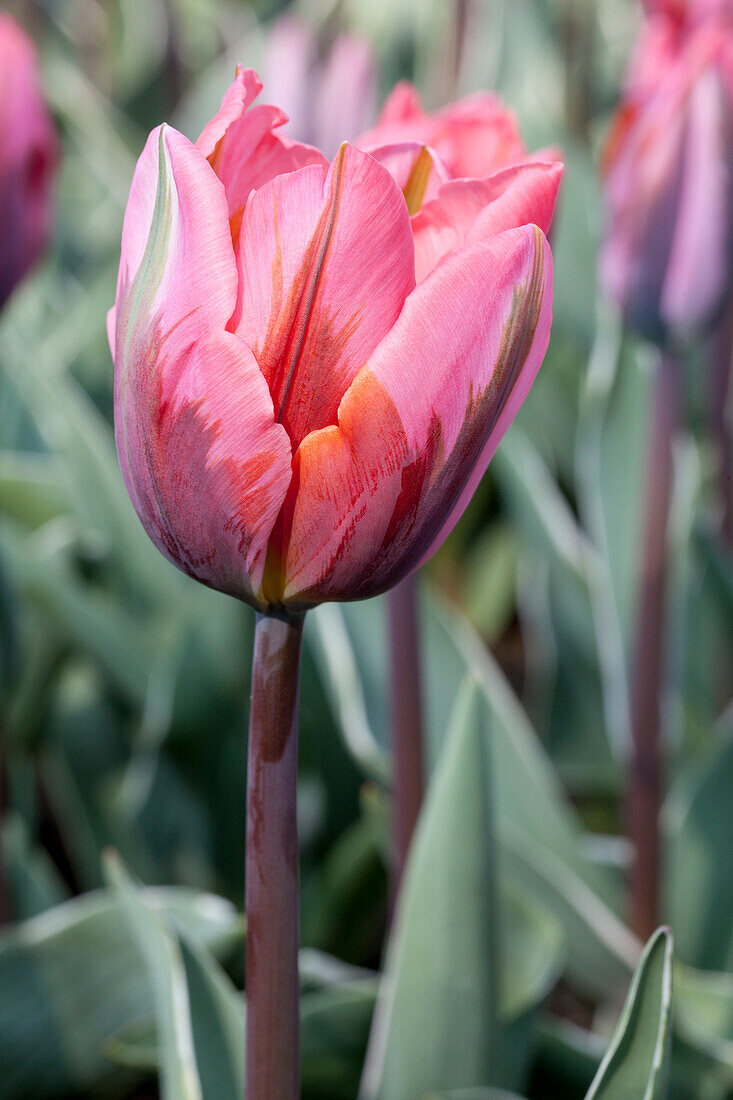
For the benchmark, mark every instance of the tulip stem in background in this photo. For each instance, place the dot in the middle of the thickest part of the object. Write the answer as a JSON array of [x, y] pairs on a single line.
[[460, 26], [406, 714], [4, 893], [272, 863], [720, 418], [645, 778]]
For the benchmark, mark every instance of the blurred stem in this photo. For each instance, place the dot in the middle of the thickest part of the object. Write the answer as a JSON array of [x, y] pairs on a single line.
[[172, 73], [645, 778], [578, 45], [406, 714], [4, 892], [272, 863], [720, 413], [460, 27]]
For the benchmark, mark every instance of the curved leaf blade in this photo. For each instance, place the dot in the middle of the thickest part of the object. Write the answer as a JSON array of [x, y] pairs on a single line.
[[637, 1061]]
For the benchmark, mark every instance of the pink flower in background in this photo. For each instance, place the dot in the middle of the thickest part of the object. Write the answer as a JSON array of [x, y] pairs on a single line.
[[461, 169], [473, 137], [328, 98], [667, 257], [28, 156], [315, 362], [688, 13]]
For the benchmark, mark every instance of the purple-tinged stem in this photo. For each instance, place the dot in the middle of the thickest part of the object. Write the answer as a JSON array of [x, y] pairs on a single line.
[[272, 863], [4, 891], [645, 775], [720, 414], [406, 713], [460, 27]]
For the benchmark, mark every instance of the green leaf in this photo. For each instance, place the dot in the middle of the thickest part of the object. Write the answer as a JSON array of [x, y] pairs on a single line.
[[334, 1030], [637, 1061], [560, 588], [704, 1013], [541, 839], [30, 488], [448, 1016], [72, 976], [31, 878], [436, 1021], [199, 1015], [71, 427], [474, 1094], [698, 821], [489, 585]]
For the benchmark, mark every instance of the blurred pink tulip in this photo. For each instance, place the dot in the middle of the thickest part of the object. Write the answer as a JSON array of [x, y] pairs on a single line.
[[328, 99], [473, 137], [312, 373], [689, 12], [667, 257], [28, 156]]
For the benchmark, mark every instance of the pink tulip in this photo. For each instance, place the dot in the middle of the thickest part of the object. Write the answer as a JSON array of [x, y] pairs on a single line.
[[312, 373], [667, 258], [689, 12], [28, 155], [473, 137], [328, 98]]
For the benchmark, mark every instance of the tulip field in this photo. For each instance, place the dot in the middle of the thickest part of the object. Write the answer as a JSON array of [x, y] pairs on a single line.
[[366, 550]]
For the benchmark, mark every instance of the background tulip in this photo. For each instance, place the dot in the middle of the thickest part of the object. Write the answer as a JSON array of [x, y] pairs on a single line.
[[473, 137], [667, 261], [28, 155], [329, 95], [686, 13], [667, 256]]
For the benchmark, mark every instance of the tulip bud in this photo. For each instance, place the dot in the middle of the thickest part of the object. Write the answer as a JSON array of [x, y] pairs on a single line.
[[28, 155], [667, 256]]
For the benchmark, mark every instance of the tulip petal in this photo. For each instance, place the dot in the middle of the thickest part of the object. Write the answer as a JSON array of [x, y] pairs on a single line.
[[242, 147], [177, 269], [346, 94], [475, 136], [205, 464], [474, 210], [403, 104], [642, 193], [699, 270], [404, 162], [375, 495], [221, 469], [240, 95], [326, 262]]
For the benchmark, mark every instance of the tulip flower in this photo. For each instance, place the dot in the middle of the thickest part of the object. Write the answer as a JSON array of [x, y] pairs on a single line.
[[313, 367], [667, 258], [28, 156], [328, 97], [667, 261]]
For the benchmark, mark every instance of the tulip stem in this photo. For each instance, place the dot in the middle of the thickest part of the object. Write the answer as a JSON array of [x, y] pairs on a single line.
[[720, 420], [272, 863], [406, 714], [645, 778]]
